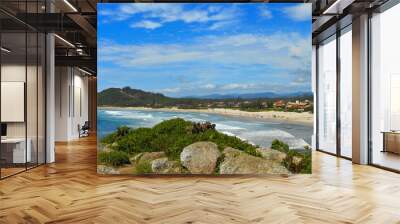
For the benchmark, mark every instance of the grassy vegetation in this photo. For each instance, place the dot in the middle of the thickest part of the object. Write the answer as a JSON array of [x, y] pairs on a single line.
[[171, 136], [292, 155], [144, 167], [113, 158]]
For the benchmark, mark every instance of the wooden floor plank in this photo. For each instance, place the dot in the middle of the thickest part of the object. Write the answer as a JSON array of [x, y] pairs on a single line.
[[70, 191]]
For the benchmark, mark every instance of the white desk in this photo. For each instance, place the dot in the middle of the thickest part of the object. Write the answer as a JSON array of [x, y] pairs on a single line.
[[19, 153]]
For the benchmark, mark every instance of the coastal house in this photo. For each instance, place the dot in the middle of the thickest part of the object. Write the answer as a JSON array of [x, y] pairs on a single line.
[[279, 104], [298, 105]]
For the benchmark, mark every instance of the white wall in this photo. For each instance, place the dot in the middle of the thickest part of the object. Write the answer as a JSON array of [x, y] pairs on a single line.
[[14, 73], [33, 126], [71, 102], [62, 82]]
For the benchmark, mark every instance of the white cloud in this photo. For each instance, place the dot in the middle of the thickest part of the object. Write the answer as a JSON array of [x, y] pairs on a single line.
[[219, 25], [146, 24], [265, 12], [201, 89], [237, 86], [288, 50], [166, 13], [299, 12], [210, 86], [170, 90]]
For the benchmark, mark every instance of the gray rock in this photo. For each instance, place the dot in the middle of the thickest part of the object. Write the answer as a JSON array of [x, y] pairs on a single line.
[[238, 162], [150, 156], [164, 166], [159, 165], [102, 169], [146, 156], [297, 160], [200, 157], [134, 159], [272, 154]]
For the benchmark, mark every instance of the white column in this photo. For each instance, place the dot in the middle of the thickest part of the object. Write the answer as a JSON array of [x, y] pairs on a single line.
[[360, 89], [50, 100]]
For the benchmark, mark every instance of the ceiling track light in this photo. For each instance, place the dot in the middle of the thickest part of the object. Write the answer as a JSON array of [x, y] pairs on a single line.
[[70, 5], [5, 50], [84, 71], [64, 40], [337, 7]]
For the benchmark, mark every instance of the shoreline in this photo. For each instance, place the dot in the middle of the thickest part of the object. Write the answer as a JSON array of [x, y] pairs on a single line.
[[303, 118]]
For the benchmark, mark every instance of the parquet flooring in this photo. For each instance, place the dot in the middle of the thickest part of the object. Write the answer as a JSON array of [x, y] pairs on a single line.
[[70, 191]]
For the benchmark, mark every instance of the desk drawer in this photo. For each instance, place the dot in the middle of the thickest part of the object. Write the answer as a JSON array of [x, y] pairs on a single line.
[[392, 142]]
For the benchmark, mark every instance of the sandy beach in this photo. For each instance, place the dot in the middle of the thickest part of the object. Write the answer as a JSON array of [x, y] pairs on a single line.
[[304, 118]]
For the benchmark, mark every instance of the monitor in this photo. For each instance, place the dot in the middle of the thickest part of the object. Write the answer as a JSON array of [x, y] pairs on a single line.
[[3, 129]]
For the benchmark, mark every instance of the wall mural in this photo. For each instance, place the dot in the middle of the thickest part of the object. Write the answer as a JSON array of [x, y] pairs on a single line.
[[204, 88]]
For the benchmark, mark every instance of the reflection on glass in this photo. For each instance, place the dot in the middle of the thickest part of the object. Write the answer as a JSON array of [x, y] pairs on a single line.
[[346, 94], [14, 153], [385, 84], [395, 102], [41, 99], [31, 101], [327, 96]]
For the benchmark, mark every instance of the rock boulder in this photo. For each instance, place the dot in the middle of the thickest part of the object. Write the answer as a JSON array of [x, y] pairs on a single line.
[[146, 156], [200, 157], [238, 162], [164, 166], [272, 154]]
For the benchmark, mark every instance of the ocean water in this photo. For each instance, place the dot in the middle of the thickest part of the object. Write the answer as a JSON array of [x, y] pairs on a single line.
[[258, 132]]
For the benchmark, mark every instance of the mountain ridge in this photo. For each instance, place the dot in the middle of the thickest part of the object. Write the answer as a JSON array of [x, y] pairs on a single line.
[[269, 95], [130, 97]]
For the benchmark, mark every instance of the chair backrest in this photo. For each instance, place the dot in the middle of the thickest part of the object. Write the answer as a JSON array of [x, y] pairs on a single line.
[[86, 125]]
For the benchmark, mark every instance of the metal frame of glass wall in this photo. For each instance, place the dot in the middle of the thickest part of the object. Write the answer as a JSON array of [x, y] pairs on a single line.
[[381, 9], [336, 36], [389, 4], [29, 56]]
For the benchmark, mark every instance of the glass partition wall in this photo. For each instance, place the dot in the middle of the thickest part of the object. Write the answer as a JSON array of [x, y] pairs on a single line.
[[385, 89], [345, 91], [327, 95], [334, 84], [22, 77]]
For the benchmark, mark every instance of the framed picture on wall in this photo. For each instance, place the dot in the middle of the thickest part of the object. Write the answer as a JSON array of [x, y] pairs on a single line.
[[201, 88]]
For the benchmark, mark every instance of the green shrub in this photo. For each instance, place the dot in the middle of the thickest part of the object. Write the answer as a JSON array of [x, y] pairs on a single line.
[[113, 158], [118, 134], [280, 146], [143, 167], [289, 162], [253, 152], [172, 136], [219, 162]]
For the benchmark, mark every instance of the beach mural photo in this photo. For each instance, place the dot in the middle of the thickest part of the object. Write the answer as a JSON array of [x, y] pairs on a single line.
[[204, 88]]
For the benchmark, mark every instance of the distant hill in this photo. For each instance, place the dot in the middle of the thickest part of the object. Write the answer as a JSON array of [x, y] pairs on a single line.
[[129, 97], [264, 95]]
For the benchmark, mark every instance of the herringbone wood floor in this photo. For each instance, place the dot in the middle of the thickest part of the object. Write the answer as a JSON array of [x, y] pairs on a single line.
[[70, 191]]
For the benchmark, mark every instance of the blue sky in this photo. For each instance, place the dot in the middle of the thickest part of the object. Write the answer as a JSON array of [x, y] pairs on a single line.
[[201, 49]]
